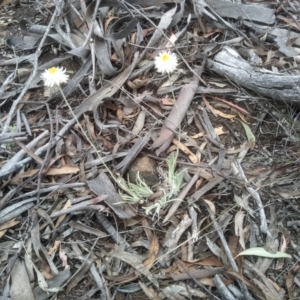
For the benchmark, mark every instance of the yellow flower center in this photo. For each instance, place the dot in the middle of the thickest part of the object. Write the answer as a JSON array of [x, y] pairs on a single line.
[[165, 57], [52, 70]]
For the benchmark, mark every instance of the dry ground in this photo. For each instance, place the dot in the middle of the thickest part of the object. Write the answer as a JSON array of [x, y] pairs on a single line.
[[217, 151]]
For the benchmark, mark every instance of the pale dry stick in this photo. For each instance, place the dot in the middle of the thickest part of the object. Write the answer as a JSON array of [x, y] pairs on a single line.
[[108, 157], [184, 192], [53, 188], [181, 197], [10, 135], [214, 182], [263, 220], [15, 210], [228, 253], [8, 196], [194, 217], [45, 160], [87, 39], [83, 8], [20, 164], [141, 71], [20, 139], [66, 36], [6, 82], [100, 281], [210, 134], [223, 290], [18, 156], [260, 274], [199, 17], [33, 74], [115, 235], [47, 153]]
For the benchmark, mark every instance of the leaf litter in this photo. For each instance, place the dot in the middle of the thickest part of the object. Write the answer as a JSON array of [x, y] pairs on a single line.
[[219, 137]]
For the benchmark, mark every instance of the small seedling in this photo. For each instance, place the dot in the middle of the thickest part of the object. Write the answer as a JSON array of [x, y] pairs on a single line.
[[136, 193], [139, 192]]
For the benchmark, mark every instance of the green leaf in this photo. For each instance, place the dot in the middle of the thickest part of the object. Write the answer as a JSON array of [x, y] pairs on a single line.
[[175, 179], [264, 37], [218, 84], [136, 192], [259, 251], [250, 135]]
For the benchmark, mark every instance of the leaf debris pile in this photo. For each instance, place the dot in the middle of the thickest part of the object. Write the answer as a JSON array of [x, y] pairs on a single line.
[[180, 185]]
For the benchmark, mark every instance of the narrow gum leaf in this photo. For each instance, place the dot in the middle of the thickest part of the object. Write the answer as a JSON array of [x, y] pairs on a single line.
[[259, 251], [250, 135]]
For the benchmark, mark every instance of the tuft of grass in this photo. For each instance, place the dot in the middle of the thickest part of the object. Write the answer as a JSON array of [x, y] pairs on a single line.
[[139, 192], [174, 179], [136, 193], [173, 182]]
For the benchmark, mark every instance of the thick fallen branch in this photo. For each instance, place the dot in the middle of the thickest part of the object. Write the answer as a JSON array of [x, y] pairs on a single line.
[[277, 86], [172, 123]]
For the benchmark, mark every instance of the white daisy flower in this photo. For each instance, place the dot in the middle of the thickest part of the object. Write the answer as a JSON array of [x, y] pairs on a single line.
[[166, 62], [54, 76]]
